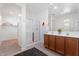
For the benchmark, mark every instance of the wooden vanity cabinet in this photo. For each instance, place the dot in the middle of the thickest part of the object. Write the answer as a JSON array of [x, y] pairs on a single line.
[[52, 42], [78, 47], [46, 38], [60, 47], [68, 46], [71, 46]]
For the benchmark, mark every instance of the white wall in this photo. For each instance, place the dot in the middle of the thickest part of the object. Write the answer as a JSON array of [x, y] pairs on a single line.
[[8, 33], [43, 17], [9, 30], [11, 20], [22, 28], [9, 16]]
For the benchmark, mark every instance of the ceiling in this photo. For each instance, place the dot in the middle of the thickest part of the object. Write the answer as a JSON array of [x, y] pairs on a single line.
[[9, 9], [36, 7], [64, 8]]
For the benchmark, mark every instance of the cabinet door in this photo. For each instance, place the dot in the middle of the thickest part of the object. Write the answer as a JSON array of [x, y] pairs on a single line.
[[52, 42], [71, 47], [60, 44], [46, 41]]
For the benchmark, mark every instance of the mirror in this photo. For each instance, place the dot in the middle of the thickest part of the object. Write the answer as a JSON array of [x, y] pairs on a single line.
[[64, 16]]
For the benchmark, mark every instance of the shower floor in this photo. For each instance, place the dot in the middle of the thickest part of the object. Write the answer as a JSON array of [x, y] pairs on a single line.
[[8, 47]]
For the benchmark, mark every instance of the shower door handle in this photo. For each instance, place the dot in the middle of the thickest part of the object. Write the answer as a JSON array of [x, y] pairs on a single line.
[[32, 36]]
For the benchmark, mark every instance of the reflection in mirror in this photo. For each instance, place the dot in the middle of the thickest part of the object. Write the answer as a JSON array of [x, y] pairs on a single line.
[[64, 16]]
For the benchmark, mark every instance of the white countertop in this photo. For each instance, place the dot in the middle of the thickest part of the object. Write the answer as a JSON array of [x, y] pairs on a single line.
[[71, 34]]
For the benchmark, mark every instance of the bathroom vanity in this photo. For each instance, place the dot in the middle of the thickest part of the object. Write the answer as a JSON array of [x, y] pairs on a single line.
[[61, 43]]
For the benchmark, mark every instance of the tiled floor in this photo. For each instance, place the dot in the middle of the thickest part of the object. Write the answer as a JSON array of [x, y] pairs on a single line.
[[48, 52], [31, 52], [40, 46], [11, 47]]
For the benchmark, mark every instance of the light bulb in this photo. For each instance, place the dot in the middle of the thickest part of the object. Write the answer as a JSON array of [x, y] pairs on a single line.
[[19, 15]]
